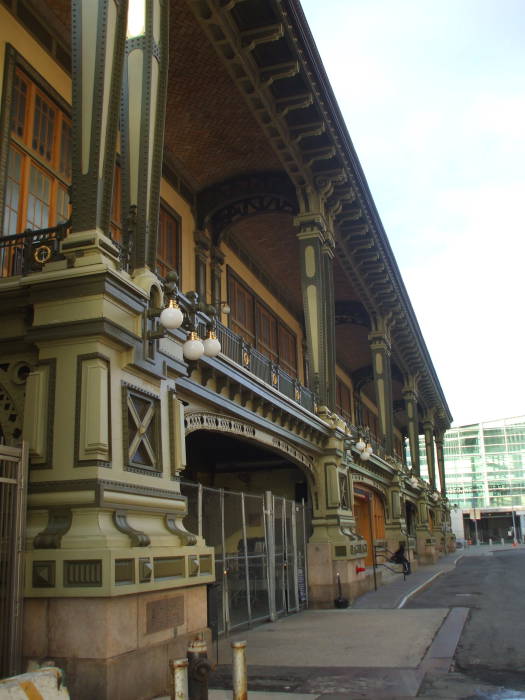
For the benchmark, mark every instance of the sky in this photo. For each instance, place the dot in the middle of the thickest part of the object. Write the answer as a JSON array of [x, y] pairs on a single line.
[[433, 95]]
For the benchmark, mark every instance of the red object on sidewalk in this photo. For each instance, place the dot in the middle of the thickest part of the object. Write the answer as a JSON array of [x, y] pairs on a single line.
[[359, 569]]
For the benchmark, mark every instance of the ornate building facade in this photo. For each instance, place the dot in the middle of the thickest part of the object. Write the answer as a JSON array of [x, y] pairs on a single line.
[[171, 178]]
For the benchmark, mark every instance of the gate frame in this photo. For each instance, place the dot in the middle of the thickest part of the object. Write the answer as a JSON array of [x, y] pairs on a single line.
[[11, 655]]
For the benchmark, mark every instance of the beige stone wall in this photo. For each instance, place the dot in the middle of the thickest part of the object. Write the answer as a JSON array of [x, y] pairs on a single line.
[[11, 32]]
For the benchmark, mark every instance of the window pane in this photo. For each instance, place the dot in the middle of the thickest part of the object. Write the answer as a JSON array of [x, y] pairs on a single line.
[[43, 128], [12, 195], [242, 314], [287, 350], [267, 333], [167, 243], [62, 208], [18, 110], [38, 200]]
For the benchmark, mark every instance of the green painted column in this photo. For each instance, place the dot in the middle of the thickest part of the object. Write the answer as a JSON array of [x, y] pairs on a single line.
[[410, 397], [327, 256], [316, 260], [98, 35], [428, 429], [142, 132], [380, 347], [440, 455]]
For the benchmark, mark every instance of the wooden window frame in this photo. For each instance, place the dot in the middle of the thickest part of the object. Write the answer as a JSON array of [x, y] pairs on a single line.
[[345, 411], [169, 211], [15, 66], [258, 303]]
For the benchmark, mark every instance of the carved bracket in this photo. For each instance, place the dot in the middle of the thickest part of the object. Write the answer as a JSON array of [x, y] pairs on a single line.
[[175, 526], [138, 538], [59, 522]]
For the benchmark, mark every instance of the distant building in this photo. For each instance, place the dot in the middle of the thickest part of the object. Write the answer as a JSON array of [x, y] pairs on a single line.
[[485, 468]]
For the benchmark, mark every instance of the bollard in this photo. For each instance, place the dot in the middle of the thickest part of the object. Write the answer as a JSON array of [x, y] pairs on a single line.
[[490, 541], [198, 670], [240, 674], [179, 679], [502, 540]]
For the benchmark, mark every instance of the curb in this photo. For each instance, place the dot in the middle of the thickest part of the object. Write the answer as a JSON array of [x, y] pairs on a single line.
[[426, 584]]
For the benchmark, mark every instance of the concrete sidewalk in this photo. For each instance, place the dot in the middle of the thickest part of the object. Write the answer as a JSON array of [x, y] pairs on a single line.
[[374, 649], [396, 591]]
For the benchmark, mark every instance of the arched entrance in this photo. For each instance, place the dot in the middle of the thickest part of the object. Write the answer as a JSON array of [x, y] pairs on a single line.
[[250, 502], [369, 512]]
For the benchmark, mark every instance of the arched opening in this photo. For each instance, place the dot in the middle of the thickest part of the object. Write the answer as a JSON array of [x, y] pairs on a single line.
[[369, 512], [250, 503], [237, 464]]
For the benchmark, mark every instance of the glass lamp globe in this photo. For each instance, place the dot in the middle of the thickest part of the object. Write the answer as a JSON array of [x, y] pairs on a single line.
[[171, 317], [369, 449], [212, 346], [360, 445], [365, 456], [193, 349]]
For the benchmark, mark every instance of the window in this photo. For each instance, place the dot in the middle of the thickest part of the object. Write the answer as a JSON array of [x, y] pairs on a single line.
[[253, 320], [167, 242], [343, 400], [39, 161]]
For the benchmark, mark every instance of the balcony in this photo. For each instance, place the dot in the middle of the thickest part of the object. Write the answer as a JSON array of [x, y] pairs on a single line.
[[235, 348]]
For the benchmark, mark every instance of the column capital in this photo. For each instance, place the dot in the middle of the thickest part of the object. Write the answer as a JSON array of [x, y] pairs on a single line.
[[411, 384], [217, 256], [311, 225], [409, 394], [379, 340], [439, 436], [428, 425], [202, 240]]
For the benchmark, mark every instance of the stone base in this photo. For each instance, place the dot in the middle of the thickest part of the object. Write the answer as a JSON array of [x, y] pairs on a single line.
[[322, 577], [115, 647]]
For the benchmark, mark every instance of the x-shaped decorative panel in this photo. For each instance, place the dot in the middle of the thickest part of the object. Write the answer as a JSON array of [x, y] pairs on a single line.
[[141, 430]]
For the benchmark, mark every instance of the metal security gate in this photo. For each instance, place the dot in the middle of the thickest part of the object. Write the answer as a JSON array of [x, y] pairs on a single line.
[[260, 552], [13, 475]]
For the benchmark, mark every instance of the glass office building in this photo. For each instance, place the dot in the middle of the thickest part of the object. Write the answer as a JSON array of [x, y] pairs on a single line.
[[484, 464], [485, 477]]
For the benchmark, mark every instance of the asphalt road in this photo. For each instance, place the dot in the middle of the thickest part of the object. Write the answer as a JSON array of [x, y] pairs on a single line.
[[492, 645]]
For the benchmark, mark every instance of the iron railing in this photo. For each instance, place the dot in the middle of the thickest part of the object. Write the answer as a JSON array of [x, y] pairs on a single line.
[[242, 353], [23, 253]]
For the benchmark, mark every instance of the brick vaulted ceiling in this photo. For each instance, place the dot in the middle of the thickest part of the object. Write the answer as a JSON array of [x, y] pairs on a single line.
[[210, 132]]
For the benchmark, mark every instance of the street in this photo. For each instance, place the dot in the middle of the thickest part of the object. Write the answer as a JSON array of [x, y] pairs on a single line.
[[491, 647]]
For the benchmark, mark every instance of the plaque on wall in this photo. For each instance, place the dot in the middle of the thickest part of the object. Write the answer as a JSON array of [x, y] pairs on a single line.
[[164, 614]]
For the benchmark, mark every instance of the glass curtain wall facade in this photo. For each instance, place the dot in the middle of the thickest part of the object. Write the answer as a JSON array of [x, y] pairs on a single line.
[[484, 464]]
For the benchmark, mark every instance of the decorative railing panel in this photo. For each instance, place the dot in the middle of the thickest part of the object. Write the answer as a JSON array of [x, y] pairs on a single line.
[[23, 253]]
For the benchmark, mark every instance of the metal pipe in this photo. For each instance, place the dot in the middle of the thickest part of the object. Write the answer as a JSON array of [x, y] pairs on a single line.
[[246, 560], [179, 679], [225, 591], [239, 669], [305, 557], [199, 511], [270, 531], [372, 540]]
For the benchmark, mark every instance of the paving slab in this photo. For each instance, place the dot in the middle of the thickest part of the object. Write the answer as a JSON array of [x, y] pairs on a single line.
[[342, 638]]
